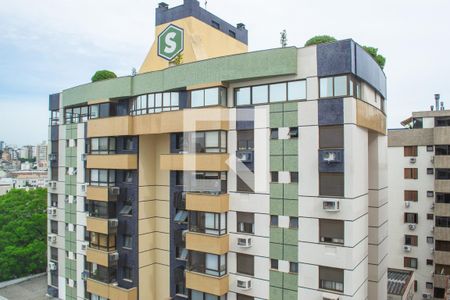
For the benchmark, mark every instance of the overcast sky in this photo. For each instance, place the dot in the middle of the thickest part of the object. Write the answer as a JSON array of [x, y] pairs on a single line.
[[49, 45]]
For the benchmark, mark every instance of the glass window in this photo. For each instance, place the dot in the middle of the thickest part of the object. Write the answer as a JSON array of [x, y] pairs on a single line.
[[278, 92], [93, 112], [197, 98], [274, 264], [260, 94], [127, 241], [331, 184], [245, 222], [326, 87], [211, 96], [274, 221], [293, 267], [245, 264], [175, 100], [212, 139], [297, 90], [158, 102], [340, 86], [242, 96]]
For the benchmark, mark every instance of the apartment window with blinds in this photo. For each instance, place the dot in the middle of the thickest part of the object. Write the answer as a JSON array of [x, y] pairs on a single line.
[[411, 240], [442, 222], [443, 246], [208, 97], [245, 222], [410, 173], [331, 184], [410, 262], [243, 297], [411, 196], [411, 218], [410, 151], [443, 174], [442, 149], [331, 137], [331, 279], [103, 145], [331, 231], [443, 198], [245, 264]]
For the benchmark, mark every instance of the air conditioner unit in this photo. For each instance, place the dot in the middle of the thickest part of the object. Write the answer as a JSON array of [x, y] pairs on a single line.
[[412, 226], [432, 229], [245, 156], [331, 205], [84, 157], [71, 199], [331, 156], [52, 266], [432, 159], [327, 296], [52, 157], [114, 191], [84, 246], [84, 275], [113, 223], [114, 256], [407, 204], [432, 250], [51, 238], [52, 184], [244, 242], [83, 188], [412, 160], [406, 248], [427, 296], [244, 283], [432, 206], [51, 211]]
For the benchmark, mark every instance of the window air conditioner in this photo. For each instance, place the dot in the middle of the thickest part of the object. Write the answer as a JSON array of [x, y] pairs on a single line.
[[412, 160], [51, 238], [407, 204], [52, 266], [114, 191], [51, 211], [83, 188], [412, 226], [331, 156], [114, 256], [84, 246], [406, 248], [244, 242], [245, 156], [331, 205], [327, 296], [84, 275], [84, 157], [113, 223], [244, 283], [427, 296]]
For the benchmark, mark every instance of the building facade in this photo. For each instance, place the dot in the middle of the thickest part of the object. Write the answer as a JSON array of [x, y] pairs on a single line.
[[419, 193], [232, 175]]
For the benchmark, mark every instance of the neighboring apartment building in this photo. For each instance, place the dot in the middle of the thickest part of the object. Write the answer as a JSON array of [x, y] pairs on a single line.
[[234, 175], [419, 194]]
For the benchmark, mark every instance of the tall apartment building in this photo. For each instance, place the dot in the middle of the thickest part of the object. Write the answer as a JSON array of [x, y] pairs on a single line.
[[419, 193], [234, 175]]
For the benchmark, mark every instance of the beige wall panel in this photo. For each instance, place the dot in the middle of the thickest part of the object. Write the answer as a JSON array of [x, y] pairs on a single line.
[[161, 224], [208, 284], [147, 193], [98, 288], [207, 243], [110, 126], [146, 226], [162, 240], [405, 137], [98, 193], [442, 186], [162, 288], [114, 161], [207, 203], [97, 256], [442, 257], [146, 161], [442, 161], [147, 287], [370, 117], [158, 256], [146, 242], [442, 233], [146, 209], [162, 192], [201, 41], [97, 225], [162, 209], [192, 162]]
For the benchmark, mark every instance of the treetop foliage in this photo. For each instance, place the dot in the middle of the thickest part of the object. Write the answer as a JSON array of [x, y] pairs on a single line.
[[23, 232], [103, 75]]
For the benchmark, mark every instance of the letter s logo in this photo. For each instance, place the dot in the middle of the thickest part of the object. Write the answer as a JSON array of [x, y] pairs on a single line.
[[171, 45]]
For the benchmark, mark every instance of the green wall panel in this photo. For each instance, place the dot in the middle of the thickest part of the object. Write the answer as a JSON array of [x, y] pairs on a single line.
[[290, 191], [276, 206], [290, 147], [276, 235], [290, 208], [291, 163], [276, 147], [290, 281], [276, 190], [276, 293], [276, 251], [289, 295], [276, 107], [290, 253], [290, 119], [276, 163], [276, 278], [290, 106], [290, 236], [258, 64], [276, 120]]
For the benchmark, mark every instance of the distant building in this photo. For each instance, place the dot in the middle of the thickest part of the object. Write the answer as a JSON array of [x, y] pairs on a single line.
[[41, 154], [26, 152], [2, 145], [29, 179], [419, 193], [4, 188]]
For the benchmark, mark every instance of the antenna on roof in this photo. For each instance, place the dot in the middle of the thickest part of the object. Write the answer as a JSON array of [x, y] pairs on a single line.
[[206, 3]]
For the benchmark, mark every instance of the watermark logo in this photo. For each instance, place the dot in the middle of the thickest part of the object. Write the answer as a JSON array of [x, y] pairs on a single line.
[[171, 42]]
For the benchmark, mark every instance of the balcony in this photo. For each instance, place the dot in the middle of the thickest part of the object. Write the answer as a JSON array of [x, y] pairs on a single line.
[[113, 161], [207, 202], [442, 233], [100, 257], [442, 186], [114, 126], [208, 284], [194, 162], [440, 281], [207, 243], [104, 226], [101, 193], [442, 161], [110, 291], [442, 209], [442, 257]]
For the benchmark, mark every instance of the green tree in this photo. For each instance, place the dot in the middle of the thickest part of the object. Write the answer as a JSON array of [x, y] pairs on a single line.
[[320, 39], [103, 75], [380, 59], [283, 38], [23, 231]]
